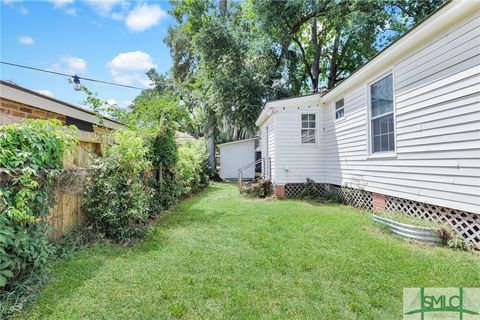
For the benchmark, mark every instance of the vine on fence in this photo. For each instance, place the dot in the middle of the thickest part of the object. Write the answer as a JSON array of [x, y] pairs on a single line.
[[31, 156]]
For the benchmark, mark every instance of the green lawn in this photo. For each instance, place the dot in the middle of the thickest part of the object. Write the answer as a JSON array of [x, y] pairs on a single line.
[[221, 256]]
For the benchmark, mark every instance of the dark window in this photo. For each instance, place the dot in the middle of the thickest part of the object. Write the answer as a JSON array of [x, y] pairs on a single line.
[[383, 130], [80, 124], [309, 128], [339, 109]]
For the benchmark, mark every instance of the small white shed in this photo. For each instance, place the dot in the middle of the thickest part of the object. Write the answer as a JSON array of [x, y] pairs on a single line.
[[235, 155]]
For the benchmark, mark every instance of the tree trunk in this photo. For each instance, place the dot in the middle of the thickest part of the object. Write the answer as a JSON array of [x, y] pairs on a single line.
[[211, 119], [222, 8], [211, 124], [316, 56], [332, 75]]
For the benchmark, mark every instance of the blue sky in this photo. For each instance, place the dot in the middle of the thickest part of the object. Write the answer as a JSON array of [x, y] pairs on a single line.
[[111, 40]]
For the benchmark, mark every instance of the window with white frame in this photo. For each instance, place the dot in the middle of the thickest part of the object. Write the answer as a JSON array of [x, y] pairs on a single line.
[[339, 109], [309, 128], [382, 117]]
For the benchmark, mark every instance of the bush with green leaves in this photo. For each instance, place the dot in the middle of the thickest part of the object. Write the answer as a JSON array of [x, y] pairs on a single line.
[[117, 197], [191, 167], [31, 156], [24, 249], [163, 154]]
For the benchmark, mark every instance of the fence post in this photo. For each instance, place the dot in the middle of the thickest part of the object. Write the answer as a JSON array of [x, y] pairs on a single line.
[[160, 175], [240, 177]]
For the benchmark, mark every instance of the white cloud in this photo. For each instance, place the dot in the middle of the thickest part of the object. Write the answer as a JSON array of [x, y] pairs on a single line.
[[71, 11], [133, 60], [25, 40], [121, 104], [70, 65], [47, 93], [117, 16], [23, 11], [104, 7], [130, 67], [61, 3], [144, 16], [65, 5]]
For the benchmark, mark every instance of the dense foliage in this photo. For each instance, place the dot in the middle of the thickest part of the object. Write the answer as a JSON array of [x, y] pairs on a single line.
[[116, 199], [191, 166], [144, 171], [31, 156]]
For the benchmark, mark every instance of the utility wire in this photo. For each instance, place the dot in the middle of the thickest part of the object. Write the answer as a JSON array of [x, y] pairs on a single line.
[[68, 75]]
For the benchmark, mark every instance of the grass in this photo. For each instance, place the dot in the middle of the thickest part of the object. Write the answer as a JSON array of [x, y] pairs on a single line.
[[222, 256]]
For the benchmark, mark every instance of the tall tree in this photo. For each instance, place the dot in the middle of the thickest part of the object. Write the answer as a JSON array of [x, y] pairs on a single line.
[[230, 57]]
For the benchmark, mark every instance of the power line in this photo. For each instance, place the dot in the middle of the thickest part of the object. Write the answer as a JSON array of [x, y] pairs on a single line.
[[68, 75]]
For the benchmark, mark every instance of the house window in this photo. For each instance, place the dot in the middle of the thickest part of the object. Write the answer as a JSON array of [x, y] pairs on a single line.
[[383, 131], [309, 128], [339, 109]]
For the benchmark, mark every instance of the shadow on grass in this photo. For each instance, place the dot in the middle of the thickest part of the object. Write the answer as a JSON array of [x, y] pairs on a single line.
[[72, 273]]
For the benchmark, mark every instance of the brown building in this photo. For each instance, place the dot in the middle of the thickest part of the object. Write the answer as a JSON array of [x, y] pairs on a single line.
[[18, 103]]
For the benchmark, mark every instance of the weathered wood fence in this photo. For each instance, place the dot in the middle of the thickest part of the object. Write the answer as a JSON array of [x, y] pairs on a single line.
[[67, 214]]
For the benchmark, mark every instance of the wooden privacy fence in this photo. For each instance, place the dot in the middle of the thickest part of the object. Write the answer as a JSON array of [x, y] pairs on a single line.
[[67, 213]]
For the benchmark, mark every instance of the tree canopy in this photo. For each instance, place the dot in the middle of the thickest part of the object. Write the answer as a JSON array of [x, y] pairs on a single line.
[[230, 57]]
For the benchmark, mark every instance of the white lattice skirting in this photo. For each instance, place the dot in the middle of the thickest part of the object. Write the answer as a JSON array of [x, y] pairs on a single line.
[[466, 224], [304, 190], [353, 197]]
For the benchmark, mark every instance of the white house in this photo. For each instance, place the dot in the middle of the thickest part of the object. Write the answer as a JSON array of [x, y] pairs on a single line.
[[405, 125], [238, 154]]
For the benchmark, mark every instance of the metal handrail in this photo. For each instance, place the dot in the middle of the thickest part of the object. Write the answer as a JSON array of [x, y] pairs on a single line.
[[240, 171], [252, 164]]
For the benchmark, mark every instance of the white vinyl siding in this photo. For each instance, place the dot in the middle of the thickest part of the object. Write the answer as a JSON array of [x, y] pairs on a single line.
[[294, 161], [436, 123], [437, 112], [267, 147], [234, 156]]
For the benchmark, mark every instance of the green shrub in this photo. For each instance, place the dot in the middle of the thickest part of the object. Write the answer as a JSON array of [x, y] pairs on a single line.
[[163, 153], [458, 242], [191, 167], [24, 249], [164, 150], [31, 156], [117, 197]]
